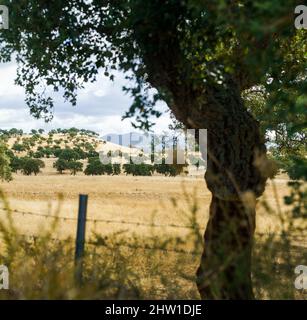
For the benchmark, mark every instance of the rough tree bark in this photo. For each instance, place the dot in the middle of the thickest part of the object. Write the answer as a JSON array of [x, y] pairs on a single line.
[[236, 156], [235, 176]]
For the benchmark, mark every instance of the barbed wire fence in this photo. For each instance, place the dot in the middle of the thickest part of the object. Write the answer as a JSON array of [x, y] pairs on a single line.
[[82, 221], [123, 222], [111, 221], [80, 240], [92, 220]]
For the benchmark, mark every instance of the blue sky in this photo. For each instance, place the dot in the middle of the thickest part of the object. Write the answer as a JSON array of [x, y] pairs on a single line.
[[100, 107]]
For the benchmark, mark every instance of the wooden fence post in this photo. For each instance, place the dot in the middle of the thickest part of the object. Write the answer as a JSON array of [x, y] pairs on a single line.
[[80, 239]]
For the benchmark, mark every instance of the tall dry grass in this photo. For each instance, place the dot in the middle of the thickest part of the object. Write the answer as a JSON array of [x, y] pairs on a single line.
[[125, 266]]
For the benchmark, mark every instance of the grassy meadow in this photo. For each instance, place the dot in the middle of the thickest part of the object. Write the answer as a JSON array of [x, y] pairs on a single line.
[[123, 198], [142, 201]]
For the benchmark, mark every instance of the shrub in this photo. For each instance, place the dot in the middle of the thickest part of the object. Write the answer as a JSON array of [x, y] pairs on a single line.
[[61, 165], [94, 167], [16, 164], [75, 166], [31, 166], [5, 169], [38, 154], [47, 152], [57, 152], [167, 170], [18, 147], [69, 155], [107, 169], [81, 154], [92, 154], [117, 169], [139, 169]]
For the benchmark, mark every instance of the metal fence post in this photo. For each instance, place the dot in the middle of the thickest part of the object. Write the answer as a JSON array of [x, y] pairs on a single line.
[[80, 239]]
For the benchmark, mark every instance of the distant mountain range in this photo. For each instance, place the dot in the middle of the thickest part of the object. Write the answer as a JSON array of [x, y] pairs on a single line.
[[139, 141]]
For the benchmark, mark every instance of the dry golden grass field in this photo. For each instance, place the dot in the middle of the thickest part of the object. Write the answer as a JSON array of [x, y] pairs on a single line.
[[154, 200], [159, 200]]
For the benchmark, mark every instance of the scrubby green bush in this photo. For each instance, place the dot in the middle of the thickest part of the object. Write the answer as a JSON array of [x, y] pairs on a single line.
[[69, 155], [57, 152], [5, 169], [166, 169], [31, 166], [92, 154], [75, 167], [37, 154], [138, 169], [61, 165], [18, 147], [116, 169], [96, 168], [16, 164], [81, 154]]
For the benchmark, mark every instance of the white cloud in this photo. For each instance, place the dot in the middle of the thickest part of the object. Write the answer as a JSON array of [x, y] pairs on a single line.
[[100, 93], [101, 124], [100, 107], [7, 84]]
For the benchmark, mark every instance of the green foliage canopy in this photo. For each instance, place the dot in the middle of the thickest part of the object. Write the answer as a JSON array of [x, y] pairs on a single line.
[[5, 169], [63, 44]]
